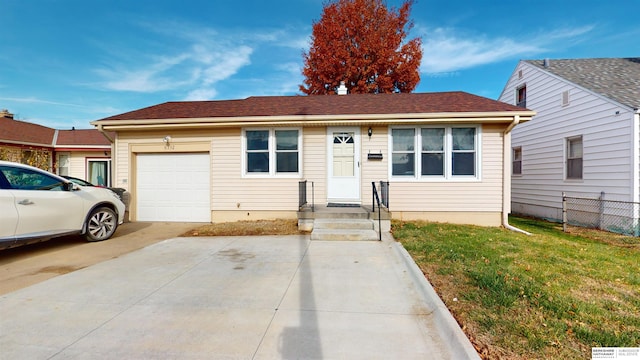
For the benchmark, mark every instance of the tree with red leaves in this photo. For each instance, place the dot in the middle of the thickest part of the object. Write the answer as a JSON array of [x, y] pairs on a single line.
[[361, 42]]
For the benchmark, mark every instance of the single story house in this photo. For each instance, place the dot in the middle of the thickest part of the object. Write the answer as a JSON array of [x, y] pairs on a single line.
[[445, 155], [584, 140], [81, 153]]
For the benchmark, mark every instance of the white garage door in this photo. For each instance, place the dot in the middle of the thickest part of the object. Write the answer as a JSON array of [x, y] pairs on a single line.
[[173, 187]]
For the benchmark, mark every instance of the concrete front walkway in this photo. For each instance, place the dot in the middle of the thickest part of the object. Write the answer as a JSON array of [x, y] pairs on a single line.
[[270, 297]]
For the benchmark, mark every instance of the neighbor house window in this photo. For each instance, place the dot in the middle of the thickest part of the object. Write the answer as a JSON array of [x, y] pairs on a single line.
[[517, 161], [521, 96], [99, 172], [565, 98], [272, 151], [574, 158], [444, 152], [63, 164]]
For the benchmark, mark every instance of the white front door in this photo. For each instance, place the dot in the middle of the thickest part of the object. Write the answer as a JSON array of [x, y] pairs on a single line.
[[343, 150]]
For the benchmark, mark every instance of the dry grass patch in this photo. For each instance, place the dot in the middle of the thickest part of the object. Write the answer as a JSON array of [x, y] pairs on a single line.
[[249, 228]]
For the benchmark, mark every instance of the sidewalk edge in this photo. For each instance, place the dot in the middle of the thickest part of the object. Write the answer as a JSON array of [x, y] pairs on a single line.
[[449, 329]]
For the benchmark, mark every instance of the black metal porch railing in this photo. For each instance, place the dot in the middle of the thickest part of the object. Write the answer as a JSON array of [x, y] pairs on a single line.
[[384, 193], [384, 190], [302, 195]]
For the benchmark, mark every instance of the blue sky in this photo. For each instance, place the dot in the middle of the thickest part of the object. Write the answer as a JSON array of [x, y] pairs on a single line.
[[65, 63]]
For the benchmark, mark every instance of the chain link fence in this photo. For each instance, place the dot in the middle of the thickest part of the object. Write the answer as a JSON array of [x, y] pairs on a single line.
[[610, 215]]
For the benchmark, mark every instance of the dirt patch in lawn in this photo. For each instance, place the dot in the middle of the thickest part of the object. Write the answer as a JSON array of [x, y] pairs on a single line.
[[249, 228]]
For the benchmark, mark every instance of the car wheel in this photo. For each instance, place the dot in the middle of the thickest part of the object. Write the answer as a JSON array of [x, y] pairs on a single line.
[[101, 224]]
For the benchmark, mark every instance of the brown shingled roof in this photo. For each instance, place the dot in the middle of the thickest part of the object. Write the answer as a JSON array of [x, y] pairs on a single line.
[[81, 137], [353, 104], [24, 132]]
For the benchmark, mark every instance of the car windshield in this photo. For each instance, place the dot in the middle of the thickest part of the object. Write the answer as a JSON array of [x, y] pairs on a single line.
[[27, 179]]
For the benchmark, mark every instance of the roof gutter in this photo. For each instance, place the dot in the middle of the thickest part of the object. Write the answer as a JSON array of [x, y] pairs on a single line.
[[309, 120], [100, 128], [506, 178]]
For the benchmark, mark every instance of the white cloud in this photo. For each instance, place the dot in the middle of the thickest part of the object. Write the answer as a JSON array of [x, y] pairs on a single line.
[[201, 94], [195, 60], [198, 59], [33, 100], [225, 65], [445, 50]]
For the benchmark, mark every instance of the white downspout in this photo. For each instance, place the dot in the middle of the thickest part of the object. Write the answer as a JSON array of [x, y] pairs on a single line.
[[105, 133], [506, 176]]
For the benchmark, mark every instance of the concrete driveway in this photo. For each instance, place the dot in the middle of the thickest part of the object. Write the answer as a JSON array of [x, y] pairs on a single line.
[[27, 265], [270, 297]]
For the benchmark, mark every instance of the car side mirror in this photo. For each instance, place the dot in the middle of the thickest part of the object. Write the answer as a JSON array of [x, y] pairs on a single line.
[[70, 187]]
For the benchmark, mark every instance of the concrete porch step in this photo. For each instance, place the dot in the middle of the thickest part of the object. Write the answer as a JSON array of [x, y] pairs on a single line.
[[344, 235], [344, 223], [344, 229], [344, 214]]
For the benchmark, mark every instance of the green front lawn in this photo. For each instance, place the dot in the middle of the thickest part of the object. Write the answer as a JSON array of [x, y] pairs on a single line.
[[550, 295]]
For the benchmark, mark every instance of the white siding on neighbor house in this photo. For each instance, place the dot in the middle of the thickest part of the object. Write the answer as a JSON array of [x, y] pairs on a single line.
[[606, 139], [78, 162], [635, 182], [484, 195]]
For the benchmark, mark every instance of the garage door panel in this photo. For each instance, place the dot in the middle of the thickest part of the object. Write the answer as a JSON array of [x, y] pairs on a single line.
[[173, 187]]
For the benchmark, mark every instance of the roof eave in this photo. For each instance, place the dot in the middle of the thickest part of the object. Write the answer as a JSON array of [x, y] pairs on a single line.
[[316, 120]]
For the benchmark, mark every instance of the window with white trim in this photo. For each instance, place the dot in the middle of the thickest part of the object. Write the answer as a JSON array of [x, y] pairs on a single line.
[[521, 96], [272, 152], [574, 158], [517, 161], [444, 152], [63, 164]]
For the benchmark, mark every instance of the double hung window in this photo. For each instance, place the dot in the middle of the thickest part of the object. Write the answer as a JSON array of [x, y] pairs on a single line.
[[443, 152], [521, 96], [574, 158], [272, 152], [517, 161]]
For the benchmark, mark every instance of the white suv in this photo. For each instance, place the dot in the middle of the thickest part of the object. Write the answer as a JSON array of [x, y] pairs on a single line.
[[36, 205]]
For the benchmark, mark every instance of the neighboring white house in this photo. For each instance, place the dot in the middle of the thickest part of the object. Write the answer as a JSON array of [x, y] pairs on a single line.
[[585, 138], [445, 156]]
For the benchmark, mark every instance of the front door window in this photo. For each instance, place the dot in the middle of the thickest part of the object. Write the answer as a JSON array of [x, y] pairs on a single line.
[[343, 154]]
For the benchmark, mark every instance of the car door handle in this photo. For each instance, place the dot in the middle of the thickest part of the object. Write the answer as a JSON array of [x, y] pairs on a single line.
[[26, 202]]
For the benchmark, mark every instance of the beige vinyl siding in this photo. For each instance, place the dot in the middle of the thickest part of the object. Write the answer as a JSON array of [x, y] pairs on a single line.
[[484, 195], [374, 170], [121, 164], [232, 191], [78, 162], [314, 163]]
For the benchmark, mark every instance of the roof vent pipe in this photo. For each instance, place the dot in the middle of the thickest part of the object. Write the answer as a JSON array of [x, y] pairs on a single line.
[[545, 63], [342, 90]]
